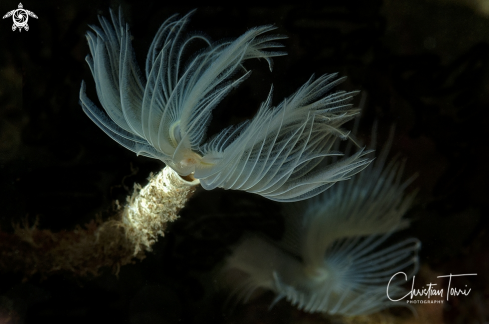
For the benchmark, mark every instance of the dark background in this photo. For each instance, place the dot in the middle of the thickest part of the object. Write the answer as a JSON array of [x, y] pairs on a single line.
[[424, 66]]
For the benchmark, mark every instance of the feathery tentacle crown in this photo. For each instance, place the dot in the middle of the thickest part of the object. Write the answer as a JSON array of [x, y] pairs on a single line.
[[334, 258], [164, 113]]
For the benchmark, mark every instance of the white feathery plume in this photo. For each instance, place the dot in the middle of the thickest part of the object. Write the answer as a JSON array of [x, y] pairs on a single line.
[[165, 112], [334, 257]]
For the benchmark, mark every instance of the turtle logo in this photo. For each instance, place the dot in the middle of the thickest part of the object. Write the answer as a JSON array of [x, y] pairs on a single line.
[[20, 17]]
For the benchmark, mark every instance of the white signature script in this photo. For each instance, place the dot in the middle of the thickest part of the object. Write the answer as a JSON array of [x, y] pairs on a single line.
[[431, 290]]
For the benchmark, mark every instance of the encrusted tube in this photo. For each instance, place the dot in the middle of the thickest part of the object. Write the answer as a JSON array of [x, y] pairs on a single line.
[[113, 243], [149, 209]]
